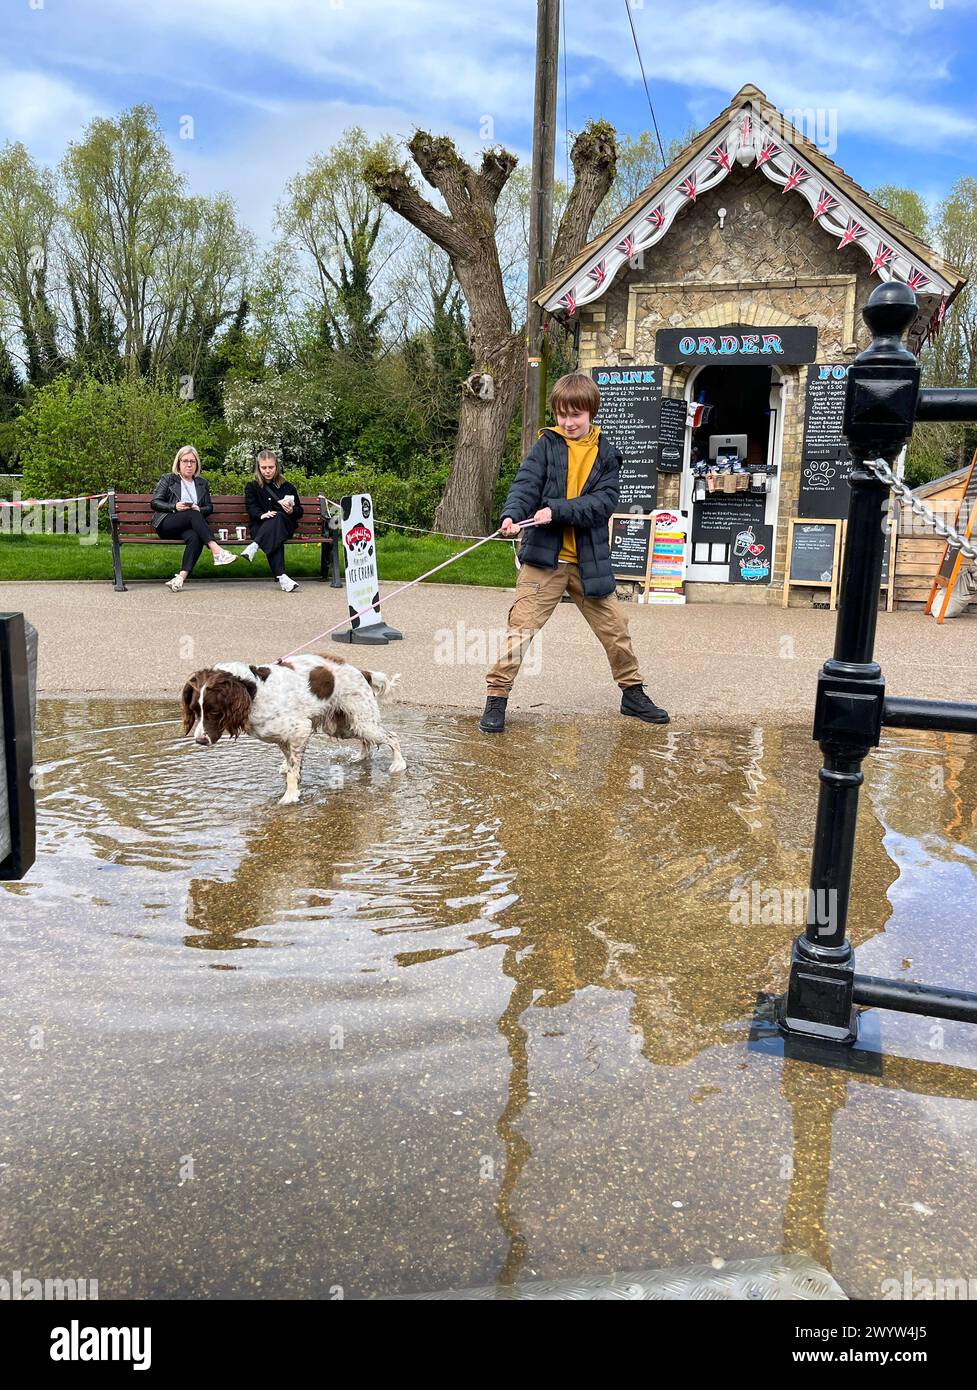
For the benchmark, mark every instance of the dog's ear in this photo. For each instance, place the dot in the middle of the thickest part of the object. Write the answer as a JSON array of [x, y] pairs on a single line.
[[189, 691], [233, 698]]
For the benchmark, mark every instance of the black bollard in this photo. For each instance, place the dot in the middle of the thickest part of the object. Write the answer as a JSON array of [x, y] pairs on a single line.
[[880, 405]]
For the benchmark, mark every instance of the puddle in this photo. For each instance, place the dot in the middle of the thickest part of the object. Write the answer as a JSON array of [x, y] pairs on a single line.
[[485, 1021]]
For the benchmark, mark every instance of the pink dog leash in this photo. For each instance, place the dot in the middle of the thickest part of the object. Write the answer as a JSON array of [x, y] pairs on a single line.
[[520, 525]]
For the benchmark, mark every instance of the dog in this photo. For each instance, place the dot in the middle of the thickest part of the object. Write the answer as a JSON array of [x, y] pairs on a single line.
[[286, 704]]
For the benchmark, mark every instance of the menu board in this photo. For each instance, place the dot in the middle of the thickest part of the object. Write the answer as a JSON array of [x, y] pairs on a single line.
[[630, 404], [720, 512], [630, 541], [826, 463], [812, 552], [751, 551], [671, 434]]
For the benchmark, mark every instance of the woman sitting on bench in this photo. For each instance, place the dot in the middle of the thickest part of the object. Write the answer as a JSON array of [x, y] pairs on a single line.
[[275, 511], [180, 503]]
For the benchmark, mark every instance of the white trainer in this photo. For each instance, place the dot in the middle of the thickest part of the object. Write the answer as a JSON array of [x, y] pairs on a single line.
[[287, 584], [176, 583], [250, 551], [224, 557]]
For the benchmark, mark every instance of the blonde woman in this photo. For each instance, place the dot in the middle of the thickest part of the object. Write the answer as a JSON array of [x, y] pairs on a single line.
[[274, 511], [180, 503]]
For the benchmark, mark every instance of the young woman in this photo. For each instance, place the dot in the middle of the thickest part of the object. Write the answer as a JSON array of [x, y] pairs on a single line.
[[180, 504], [275, 511]]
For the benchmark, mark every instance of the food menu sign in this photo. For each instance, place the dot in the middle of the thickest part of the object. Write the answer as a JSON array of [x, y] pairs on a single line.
[[671, 434], [826, 463], [630, 408], [630, 542]]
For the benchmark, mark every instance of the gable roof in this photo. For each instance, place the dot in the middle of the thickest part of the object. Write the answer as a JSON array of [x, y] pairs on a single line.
[[751, 130]]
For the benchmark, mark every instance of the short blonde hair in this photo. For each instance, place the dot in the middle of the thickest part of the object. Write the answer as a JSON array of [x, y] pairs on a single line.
[[185, 449]]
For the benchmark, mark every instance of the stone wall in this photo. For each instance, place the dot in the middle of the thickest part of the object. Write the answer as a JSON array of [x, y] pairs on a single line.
[[769, 264]]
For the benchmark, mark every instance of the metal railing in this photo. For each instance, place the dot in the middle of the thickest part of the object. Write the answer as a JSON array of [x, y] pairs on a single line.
[[882, 403]]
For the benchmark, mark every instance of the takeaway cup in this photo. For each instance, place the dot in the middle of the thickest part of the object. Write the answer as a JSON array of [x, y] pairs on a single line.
[[241, 532], [222, 533]]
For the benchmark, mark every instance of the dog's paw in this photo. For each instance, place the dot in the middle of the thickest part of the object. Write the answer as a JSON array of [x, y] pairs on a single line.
[[289, 799], [398, 765]]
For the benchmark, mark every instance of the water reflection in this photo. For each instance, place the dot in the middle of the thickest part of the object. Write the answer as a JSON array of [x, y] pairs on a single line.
[[532, 948]]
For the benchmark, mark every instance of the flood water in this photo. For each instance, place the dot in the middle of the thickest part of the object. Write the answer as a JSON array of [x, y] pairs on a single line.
[[485, 1021]]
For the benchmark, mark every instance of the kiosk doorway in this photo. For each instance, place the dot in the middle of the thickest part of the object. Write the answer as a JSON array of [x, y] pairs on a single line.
[[746, 406]]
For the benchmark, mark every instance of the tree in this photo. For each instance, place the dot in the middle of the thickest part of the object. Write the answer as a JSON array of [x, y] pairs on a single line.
[[28, 209], [467, 234], [906, 205], [148, 268], [332, 215]]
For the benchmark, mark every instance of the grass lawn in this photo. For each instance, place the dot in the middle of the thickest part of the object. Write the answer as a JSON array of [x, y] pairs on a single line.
[[400, 557]]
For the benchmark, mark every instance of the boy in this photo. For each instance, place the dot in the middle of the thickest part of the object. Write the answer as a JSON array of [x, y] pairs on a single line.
[[569, 484]]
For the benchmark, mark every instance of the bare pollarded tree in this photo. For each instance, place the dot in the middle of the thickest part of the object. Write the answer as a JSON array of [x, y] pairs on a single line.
[[467, 233]]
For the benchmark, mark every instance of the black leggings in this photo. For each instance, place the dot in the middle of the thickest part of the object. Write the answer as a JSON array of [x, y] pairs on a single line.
[[270, 536], [191, 528]]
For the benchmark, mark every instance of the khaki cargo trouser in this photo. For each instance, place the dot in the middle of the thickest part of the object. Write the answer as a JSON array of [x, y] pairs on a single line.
[[538, 591]]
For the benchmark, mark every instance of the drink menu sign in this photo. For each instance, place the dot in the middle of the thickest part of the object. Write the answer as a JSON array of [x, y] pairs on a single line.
[[630, 406], [671, 434], [826, 463]]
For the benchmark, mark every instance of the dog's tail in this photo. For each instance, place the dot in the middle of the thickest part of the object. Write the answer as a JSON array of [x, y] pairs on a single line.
[[381, 684]]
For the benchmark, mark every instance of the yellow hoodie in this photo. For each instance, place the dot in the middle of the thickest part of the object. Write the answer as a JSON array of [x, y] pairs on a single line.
[[581, 457]]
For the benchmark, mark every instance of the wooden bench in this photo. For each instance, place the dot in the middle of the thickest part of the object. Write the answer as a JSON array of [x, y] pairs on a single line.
[[131, 520]]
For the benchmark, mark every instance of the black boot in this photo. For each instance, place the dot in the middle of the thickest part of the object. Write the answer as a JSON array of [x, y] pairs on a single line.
[[635, 701], [493, 719]]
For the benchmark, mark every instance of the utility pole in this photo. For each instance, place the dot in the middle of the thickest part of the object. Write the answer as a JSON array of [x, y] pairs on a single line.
[[540, 210]]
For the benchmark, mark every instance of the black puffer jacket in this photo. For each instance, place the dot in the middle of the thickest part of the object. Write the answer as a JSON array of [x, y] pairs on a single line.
[[542, 482]]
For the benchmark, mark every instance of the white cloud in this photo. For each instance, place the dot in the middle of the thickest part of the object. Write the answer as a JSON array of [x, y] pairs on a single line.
[[43, 112]]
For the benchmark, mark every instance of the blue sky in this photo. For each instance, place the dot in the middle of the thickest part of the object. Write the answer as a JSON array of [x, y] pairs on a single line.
[[269, 82]]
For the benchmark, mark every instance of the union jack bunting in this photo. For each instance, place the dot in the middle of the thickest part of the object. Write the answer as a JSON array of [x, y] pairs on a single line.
[[626, 246], [797, 175], [656, 217], [769, 151], [917, 280], [720, 156], [941, 313], [569, 302], [852, 232], [882, 256], [826, 203], [688, 188], [598, 274]]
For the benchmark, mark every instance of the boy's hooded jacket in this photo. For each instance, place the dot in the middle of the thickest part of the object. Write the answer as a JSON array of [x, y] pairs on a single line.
[[542, 482]]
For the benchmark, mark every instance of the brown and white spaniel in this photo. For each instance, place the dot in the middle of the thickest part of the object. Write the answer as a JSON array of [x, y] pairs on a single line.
[[286, 704]]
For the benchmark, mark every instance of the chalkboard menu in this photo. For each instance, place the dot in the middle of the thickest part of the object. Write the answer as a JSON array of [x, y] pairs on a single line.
[[630, 403], [750, 555], [720, 512], [630, 546], [812, 552], [826, 463], [671, 434]]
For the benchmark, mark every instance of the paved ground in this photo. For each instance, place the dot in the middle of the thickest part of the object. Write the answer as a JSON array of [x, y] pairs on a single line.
[[704, 662]]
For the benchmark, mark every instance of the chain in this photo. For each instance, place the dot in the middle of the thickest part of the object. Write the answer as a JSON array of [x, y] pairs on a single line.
[[952, 537]]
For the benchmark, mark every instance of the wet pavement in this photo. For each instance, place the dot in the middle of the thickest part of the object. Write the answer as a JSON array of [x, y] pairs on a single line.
[[485, 1021]]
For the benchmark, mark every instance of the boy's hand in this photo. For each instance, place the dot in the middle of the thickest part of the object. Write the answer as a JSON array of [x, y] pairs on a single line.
[[543, 516], [509, 527]]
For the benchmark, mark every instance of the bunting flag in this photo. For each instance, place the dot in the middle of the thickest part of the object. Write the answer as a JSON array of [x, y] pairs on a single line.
[[852, 232], [720, 156], [598, 274], [769, 151], [626, 246], [687, 186], [882, 257], [656, 217], [916, 281], [798, 175], [826, 203]]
